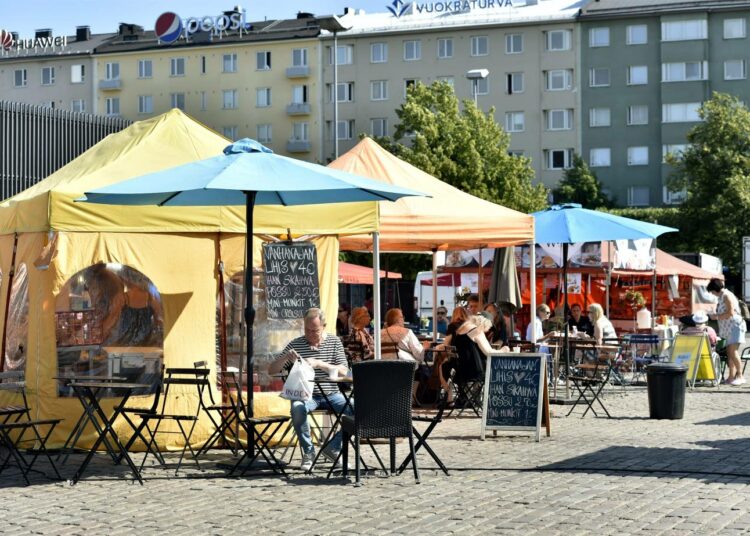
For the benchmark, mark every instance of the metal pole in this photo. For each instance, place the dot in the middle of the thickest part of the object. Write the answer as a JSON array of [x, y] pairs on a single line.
[[434, 295], [474, 85], [336, 98], [480, 281], [249, 310], [532, 284], [376, 291], [566, 347], [608, 275]]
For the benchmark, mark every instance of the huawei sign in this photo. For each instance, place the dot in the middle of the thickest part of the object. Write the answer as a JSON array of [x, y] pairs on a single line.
[[6, 39]]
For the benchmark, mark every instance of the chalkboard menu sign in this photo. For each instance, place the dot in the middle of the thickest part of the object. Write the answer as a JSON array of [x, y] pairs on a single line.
[[514, 392], [291, 279]]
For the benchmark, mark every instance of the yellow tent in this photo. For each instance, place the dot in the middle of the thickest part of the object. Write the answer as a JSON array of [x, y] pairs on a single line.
[[178, 250], [449, 219]]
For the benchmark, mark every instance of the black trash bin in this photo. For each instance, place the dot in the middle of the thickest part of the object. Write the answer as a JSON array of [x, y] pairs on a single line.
[[666, 390]]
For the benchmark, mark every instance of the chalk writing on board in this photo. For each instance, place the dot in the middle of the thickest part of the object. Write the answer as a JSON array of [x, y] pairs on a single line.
[[291, 279], [513, 392]]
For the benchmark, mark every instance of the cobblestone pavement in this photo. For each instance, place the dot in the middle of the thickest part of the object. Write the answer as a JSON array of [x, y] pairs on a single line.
[[628, 474]]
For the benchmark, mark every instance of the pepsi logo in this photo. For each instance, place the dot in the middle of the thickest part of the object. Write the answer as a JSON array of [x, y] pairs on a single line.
[[6, 39], [168, 27]]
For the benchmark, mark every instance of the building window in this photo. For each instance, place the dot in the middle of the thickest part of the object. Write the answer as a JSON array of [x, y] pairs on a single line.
[[734, 28], [345, 129], [412, 50], [447, 79], [112, 71], [638, 114], [599, 117], [145, 69], [409, 83], [638, 196], [263, 60], [680, 112], [229, 99], [599, 37], [112, 106], [558, 158], [344, 55], [559, 119], [48, 76], [378, 52], [599, 77], [263, 97], [637, 34], [344, 92], [77, 74], [177, 100], [675, 149], [684, 30], [78, 105], [558, 40], [445, 48], [230, 132], [299, 57], [480, 45], [229, 63], [684, 71], [600, 157], [480, 85], [514, 83], [299, 94], [203, 101], [145, 104], [177, 67], [734, 70], [637, 75], [514, 43], [674, 198], [515, 122], [300, 131], [638, 156], [379, 90], [265, 131], [20, 78], [516, 152], [559, 79], [379, 127], [203, 64]]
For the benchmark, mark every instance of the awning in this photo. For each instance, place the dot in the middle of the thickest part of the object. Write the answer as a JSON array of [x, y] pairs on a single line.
[[353, 274]]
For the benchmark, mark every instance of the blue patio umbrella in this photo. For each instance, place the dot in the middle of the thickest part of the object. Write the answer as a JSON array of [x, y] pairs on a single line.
[[570, 223], [247, 174]]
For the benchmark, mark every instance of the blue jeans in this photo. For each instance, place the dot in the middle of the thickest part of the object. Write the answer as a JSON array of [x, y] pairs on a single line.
[[299, 418]]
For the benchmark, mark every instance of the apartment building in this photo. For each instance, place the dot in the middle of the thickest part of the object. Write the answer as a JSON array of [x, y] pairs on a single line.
[[646, 67], [260, 82], [51, 70]]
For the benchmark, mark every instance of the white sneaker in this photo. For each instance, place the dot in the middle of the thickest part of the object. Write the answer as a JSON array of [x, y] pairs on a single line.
[[307, 461], [737, 381], [741, 380], [332, 456]]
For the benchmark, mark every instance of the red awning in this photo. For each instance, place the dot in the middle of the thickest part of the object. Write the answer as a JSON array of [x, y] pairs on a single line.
[[353, 274], [445, 280]]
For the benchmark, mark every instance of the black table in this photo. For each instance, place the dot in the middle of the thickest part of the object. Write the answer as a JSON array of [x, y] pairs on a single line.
[[348, 393], [88, 394]]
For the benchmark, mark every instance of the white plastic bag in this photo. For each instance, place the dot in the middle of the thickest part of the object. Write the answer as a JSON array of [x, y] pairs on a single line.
[[299, 383]]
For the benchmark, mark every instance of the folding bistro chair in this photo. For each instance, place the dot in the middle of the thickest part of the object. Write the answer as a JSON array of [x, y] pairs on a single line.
[[227, 413], [591, 375], [16, 421], [140, 412], [468, 382]]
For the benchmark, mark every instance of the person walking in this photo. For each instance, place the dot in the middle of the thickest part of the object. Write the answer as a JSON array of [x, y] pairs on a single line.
[[731, 328]]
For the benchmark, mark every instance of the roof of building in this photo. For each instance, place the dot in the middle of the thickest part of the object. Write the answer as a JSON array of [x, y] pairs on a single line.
[[418, 18], [615, 8], [73, 48]]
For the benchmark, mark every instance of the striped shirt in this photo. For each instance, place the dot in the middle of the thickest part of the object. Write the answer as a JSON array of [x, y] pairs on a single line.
[[330, 351]]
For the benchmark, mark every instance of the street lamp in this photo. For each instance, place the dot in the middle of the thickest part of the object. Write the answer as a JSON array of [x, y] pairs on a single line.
[[333, 24], [475, 75]]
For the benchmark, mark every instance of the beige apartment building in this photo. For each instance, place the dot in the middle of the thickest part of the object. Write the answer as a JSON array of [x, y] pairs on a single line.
[[530, 52]]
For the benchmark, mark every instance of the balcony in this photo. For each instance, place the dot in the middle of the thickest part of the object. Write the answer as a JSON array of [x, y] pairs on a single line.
[[302, 71], [298, 146], [110, 85], [298, 108]]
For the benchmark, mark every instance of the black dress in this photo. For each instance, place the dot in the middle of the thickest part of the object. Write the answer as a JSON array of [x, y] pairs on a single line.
[[469, 364]]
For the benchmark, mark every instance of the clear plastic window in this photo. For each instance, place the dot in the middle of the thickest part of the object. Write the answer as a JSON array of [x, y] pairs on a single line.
[[17, 322], [108, 322]]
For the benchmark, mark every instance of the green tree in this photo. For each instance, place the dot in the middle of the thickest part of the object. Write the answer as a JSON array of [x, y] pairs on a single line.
[[715, 172], [463, 146], [581, 185]]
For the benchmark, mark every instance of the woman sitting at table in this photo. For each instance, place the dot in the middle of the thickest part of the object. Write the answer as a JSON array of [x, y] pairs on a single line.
[[498, 333], [603, 328], [543, 312], [404, 345], [459, 317], [360, 321], [696, 324]]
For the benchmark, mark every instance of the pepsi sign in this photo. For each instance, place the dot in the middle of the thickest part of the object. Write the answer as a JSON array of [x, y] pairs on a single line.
[[169, 27], [6, 39]]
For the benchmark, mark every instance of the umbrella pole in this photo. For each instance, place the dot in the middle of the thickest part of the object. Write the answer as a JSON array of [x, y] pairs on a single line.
[[566, 348], [434, 295], [376, 291], [249, 309], [532, 284]]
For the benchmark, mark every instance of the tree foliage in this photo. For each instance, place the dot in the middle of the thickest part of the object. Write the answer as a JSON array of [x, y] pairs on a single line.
[[581, 185], [463, 146], [715, 171]]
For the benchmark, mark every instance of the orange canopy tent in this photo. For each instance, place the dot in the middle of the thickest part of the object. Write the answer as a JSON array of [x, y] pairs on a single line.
[[354, 274]]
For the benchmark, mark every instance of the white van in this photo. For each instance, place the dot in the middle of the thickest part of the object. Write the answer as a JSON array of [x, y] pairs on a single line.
[[448, 286]]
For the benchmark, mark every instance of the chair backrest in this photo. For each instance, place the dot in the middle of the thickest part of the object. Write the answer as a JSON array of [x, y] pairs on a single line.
[[470, 365], [383, 393], [14, 381], [388, 350], [185, 376]]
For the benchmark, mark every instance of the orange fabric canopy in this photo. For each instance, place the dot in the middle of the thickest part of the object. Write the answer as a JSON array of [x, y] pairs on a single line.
[[354, 274], [450, 219], [667, 264]]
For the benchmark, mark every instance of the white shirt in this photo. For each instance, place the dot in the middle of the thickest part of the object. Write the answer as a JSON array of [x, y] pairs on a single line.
[[539, 329]]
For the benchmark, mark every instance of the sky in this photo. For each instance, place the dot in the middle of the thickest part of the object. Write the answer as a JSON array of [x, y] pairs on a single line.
[[25, 16]]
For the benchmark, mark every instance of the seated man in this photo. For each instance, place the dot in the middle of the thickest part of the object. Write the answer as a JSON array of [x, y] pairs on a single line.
[[580, 322], [442, 321], [324, 353]]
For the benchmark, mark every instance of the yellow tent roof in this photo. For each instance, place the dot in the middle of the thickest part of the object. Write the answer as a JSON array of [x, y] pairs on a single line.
[[450, 219], [165, 141]]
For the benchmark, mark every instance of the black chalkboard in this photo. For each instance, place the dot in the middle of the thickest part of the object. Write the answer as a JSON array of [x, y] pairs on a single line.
[[513, 392], [291, 279]]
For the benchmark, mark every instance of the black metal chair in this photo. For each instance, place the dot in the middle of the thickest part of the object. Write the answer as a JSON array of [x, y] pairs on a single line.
[[140, 412], [468, 380], [591, 375], [227, 413], [383, 409]]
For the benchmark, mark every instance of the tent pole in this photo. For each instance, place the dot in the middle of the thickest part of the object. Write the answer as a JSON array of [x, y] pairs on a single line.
[[7, 300], [250, 309], [566, 344], [532, 284], [480, 281], [608, 275], [653, 292], [434, 295], [376, 291]]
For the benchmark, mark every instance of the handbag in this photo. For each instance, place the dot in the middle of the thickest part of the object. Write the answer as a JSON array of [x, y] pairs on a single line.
[[299, 383]]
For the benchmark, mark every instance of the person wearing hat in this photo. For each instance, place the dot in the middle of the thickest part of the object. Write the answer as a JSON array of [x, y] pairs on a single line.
[[696, 324]]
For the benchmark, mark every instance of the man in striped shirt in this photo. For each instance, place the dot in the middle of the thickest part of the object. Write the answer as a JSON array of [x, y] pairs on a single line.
[[324, 353]]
